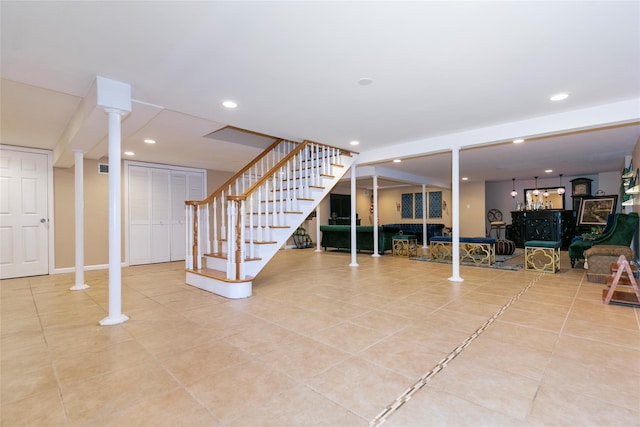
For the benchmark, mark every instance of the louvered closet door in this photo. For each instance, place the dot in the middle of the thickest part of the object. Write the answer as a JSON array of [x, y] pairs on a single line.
[[184, 186], [157, 230], [160, 216], [139, 215]]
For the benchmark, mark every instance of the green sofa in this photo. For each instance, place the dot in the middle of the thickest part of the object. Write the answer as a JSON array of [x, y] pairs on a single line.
[[339, 237]]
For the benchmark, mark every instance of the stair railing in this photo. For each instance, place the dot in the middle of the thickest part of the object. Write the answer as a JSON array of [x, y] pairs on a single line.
[[207, 220], [255, 201]]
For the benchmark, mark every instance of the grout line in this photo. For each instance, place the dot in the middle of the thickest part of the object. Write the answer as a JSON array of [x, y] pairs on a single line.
[[422, 381]]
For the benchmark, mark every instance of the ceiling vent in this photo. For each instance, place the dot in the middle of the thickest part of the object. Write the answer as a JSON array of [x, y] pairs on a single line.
[[103, 168]]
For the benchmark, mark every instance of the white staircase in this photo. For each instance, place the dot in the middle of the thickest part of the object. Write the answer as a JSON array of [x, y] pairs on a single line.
[[233, 233]]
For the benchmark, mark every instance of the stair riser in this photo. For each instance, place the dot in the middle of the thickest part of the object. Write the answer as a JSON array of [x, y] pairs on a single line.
[[219, 287]]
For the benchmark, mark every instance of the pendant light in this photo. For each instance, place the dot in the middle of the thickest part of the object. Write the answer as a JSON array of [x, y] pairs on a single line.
[[536, 192], [514, 193], [545, 193], [560, 189]]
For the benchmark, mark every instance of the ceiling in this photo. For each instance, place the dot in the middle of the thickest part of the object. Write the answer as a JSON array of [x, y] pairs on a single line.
[[472, 75]]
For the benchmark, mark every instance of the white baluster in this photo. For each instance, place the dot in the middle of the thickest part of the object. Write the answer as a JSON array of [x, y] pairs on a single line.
[[243, 238], [252, 232], [287, 176], [189, 240], [215, 226], [274, 199], [230, 241], [199, 237], [223, 217], [207, 231]]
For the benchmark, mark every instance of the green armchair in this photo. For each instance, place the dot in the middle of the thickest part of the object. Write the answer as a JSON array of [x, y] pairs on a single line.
[[621, 233]]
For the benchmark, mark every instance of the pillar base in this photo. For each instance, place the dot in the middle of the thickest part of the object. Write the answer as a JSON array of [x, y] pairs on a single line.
[[456, 279], [108, 321], [376, 255], [355, 264], [80, 287]]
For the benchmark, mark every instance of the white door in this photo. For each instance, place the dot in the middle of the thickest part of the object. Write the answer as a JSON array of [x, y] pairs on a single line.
[[178, 227], [184, 186], [24, 220], [139, 214], [160, 216]]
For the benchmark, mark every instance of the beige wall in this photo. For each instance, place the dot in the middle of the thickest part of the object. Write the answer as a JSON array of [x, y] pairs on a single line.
[[472, 209], [96, 214]]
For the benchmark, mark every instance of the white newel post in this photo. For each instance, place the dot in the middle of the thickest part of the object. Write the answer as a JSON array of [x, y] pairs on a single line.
[[424, 216], [79, 205], [115, 257], [455, 215], [318, 219], [354, 261], [375, 217]]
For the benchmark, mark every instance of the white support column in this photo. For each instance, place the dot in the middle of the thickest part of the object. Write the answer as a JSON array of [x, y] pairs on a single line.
[[318, 219], [375, 217], [455, 215], [79, 204], [115, 257], [354, 261], [424, 216]]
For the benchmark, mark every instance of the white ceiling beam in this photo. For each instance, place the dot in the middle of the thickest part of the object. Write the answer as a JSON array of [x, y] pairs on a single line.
[[618, 113]]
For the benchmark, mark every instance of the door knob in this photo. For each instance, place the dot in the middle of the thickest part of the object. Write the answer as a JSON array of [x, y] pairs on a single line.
[[42, 220]]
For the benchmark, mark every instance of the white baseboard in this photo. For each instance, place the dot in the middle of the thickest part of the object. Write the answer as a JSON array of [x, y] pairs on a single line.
[[86, 268]]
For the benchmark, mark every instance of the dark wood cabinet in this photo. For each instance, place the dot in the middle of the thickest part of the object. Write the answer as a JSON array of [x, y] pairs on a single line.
[[548, 225]]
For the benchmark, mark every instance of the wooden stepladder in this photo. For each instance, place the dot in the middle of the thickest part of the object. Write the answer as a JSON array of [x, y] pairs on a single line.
[[622, 276]]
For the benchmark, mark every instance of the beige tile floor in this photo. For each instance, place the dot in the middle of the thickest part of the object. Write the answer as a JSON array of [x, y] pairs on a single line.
[[319, 343]]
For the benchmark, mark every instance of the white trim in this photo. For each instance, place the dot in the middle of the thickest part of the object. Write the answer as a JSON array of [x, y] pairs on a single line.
[[51, 223], [66, 270]]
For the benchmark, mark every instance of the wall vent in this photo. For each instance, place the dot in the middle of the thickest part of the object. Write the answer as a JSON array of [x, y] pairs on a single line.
[[103, 168]]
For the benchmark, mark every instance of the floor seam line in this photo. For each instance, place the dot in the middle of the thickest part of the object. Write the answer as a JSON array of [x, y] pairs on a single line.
[[422, 381]]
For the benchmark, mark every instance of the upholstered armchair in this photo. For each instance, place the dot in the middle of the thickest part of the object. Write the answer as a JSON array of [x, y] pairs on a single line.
[[621, 233]]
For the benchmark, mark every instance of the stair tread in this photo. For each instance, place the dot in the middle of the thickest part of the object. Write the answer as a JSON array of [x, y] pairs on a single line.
[[223, 256], [270, 213], [217, 274]]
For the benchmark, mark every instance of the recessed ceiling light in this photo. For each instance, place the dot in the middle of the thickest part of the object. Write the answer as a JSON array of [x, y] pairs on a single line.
[[354, 142], [548, 170], [150, 141], [129, 153], [365, 81], [229, 104], [396, 160], [559, 96], [464, 178], [518, 141]]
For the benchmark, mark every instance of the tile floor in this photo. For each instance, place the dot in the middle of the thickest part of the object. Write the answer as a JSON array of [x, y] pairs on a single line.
[[319, 344]]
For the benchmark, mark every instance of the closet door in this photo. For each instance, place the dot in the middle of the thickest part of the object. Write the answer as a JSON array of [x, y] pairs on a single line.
[[149, 215], [184, 186], [178, 228], [160, 216], [157, 228], [139, 215]]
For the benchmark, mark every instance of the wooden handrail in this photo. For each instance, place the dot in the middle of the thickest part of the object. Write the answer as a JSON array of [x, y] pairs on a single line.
[[281, 163], [276, 167], [234, 177]]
